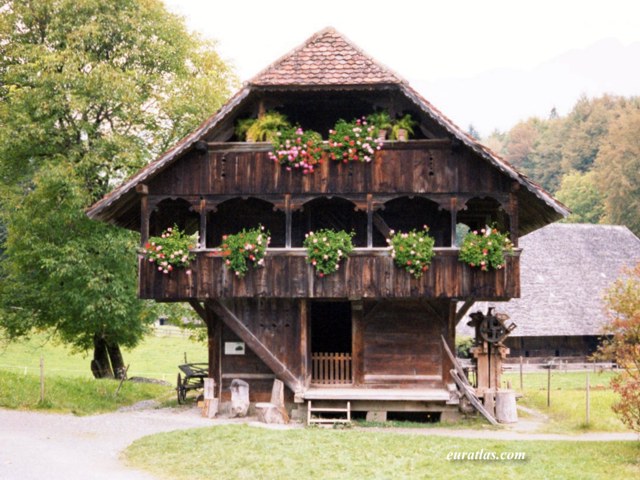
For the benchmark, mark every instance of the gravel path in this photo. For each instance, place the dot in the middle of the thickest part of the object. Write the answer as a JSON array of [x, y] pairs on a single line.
[[52, 446], [65, 447]]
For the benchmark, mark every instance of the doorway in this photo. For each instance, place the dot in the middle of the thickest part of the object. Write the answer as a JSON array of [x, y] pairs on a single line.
[[331, 342]]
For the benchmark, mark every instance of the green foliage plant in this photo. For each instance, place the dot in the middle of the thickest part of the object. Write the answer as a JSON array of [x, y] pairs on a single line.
[[297, 149], [326, 248], [622, 344], [246, 248], [172, 249], [355, 141], [405, 123], [380, 120], [412, 251], [266, 127], [485, 249]]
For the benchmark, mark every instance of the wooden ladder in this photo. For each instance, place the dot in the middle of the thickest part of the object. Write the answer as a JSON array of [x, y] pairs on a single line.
[[319, 420]]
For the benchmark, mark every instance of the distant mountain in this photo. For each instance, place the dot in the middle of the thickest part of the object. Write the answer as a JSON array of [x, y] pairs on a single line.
[[500, 98]]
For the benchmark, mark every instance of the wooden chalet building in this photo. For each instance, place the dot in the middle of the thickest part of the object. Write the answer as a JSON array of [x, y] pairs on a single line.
[[370, 333]]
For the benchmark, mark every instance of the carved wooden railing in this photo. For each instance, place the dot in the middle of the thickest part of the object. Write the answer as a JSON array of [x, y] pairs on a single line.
[[331, 368]]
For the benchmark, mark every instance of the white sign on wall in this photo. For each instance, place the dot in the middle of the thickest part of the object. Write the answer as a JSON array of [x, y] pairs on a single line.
[[234, 348]]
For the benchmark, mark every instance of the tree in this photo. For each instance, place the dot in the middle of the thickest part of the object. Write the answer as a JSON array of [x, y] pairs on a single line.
[[617, 170], [579, 192], [622, 343], [89, 92], [472, 131]]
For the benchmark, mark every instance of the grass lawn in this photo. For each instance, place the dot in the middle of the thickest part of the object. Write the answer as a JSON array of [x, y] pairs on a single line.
[[243, 452], [156, 357], [69, 385], [81, 396], [567, 413]]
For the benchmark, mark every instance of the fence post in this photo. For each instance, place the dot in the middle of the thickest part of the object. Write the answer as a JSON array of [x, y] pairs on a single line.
[[548, 385], [521, 383], [588, 399], [41, 379]]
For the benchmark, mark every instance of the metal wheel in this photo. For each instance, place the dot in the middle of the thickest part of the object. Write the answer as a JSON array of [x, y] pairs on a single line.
[[181, 390]]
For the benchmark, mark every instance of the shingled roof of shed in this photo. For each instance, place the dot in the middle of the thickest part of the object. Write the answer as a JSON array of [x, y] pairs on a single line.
[[326, 60], [565, 271]]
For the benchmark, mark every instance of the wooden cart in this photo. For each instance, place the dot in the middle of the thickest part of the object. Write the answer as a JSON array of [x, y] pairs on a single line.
[[194, 375]]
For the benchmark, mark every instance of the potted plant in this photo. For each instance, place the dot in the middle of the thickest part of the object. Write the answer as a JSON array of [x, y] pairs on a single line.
[[326, 248], [382, 122], [242, 126], [485, 249], [402, 128], [353, 141], [412, 251], [265, 127], [248, 247], [297, 149], [171, 250]]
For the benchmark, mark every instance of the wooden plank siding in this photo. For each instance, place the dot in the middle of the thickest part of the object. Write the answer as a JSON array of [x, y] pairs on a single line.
[[366, 273], [402, 168]]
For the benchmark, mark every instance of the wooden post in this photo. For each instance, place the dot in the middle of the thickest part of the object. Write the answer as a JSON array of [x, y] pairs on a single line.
[[454, 220], [304, 343], [357, 342], [521, 383], [588, 400], [288, 220], [369, 220], [548, 385], [513, 213], [143, 190], [203, 223], [41, 379]]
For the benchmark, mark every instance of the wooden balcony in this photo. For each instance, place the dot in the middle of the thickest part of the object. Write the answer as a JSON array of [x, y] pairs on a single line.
[[366, 273]]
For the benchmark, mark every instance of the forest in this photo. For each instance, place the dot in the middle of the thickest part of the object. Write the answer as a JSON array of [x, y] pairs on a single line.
[[589, 159]]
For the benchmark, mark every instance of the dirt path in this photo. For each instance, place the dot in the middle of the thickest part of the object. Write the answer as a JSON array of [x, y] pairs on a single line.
[[40, 445]]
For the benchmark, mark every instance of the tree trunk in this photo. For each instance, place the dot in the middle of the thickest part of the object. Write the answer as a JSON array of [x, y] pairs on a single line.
[[117, 362], [100, 365]]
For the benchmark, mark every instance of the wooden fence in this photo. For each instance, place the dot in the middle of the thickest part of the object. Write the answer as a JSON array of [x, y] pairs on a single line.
[[331, 368]]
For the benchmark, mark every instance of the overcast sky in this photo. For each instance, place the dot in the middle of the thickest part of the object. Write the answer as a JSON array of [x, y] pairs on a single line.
[[462, 55]]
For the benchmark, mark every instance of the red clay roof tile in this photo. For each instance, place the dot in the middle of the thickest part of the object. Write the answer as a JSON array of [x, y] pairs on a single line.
[[327, 58]]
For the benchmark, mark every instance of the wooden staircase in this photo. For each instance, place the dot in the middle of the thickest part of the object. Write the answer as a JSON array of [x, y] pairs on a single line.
[[319, 420]]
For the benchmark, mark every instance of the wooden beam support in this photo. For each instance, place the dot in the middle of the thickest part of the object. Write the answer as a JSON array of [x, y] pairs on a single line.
[[381, 225], [240, 329], [357, 342], [199, 309], [214, 342], [462, 311]]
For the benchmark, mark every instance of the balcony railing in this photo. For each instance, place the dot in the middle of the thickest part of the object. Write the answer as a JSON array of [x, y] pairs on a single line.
[[366, 273]]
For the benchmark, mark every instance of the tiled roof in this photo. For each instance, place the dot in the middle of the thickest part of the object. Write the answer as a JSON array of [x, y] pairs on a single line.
[[565, 271], [327, 58]]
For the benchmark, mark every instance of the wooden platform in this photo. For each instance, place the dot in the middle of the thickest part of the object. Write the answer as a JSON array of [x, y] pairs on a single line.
[[378, 394]]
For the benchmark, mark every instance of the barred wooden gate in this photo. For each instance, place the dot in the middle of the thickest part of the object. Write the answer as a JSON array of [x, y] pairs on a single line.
[[331, 368]]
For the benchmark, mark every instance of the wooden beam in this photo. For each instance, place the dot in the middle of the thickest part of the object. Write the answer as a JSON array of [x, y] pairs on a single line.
[[240, 329], [462, 311], [357, 342], [381, 225], [199, 309]]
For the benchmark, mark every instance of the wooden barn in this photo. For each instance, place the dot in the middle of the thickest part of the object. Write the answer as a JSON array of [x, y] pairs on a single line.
[[370, 333], [565, 271]]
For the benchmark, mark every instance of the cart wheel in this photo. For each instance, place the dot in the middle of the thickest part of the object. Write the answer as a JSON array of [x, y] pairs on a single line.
[[181, 390]]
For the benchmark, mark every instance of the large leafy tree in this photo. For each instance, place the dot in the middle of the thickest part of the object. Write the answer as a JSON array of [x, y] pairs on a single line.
[[89, 91], [618, 169], [579, 192]]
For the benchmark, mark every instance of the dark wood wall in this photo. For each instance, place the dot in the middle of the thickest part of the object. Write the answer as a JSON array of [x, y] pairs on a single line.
[[365, 274], [404, 168], [402, 344]]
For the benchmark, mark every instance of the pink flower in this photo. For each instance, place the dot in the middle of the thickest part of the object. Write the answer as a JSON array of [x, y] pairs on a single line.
[[188, 272]]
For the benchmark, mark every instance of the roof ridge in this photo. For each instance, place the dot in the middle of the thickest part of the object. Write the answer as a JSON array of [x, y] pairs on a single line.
[[317, 69]]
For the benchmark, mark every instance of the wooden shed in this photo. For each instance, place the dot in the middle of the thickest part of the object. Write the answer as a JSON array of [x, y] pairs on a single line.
[[370, 333]]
